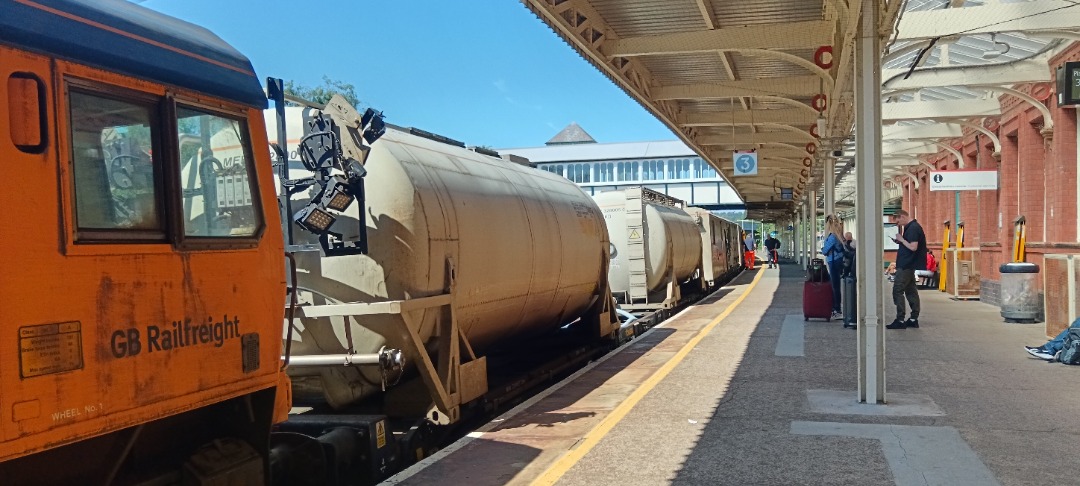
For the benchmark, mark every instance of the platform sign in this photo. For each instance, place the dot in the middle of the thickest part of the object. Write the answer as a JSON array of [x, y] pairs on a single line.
[[963, 180], [745, 162], [1068, 83]]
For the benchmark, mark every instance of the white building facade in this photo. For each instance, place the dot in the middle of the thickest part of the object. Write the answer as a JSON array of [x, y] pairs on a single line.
[[669, 167]]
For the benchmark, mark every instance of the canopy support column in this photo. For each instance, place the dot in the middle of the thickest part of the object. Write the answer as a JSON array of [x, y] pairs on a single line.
[[871, 339], [813, 224], [830, 186], [804, 241]]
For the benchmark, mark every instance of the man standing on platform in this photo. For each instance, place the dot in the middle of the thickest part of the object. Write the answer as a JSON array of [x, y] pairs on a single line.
[[772, 245], [749, 245], [910, 256]]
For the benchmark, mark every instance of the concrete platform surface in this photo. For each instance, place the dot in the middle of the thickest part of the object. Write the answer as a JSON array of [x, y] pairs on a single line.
[[724, 394]]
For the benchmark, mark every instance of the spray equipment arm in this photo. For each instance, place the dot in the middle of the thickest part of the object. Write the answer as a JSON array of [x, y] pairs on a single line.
[[355, 128], [334, 147]]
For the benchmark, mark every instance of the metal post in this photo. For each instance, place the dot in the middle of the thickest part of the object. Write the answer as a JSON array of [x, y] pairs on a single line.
[[830, 185], [790, 247], [797, 218], [871, 340], [957, 208], [813, 244], [275, 89], [801, 244], [796, 228], [805, 258], [808, 220]]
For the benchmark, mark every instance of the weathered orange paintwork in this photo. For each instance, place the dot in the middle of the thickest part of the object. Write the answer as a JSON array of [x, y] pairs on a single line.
[[47, 279]]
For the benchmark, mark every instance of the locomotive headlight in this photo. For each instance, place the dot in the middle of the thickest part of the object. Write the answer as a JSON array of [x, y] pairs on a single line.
[[336, 195], [314, 219]]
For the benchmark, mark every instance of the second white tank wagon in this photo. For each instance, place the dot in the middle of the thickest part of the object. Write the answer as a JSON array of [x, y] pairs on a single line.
[[656, 246]]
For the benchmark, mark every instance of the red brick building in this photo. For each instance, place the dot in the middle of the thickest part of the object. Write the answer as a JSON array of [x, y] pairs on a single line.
[[1037, 167]]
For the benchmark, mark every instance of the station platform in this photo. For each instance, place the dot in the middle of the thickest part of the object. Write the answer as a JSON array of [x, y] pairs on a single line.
[[738, 390]]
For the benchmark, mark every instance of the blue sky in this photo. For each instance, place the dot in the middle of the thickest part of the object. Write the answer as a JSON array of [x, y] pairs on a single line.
[[484, 72]]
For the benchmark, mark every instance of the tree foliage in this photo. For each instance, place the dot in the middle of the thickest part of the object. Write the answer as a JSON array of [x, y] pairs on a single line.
[[322, 94]]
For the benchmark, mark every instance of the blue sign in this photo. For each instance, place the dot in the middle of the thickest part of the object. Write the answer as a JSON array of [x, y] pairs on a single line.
[[745, 163]]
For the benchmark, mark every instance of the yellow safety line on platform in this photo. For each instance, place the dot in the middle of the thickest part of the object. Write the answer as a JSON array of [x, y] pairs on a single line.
[[571, 457]]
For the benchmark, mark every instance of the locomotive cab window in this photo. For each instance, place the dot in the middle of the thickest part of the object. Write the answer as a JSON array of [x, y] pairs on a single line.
[[216, 176], [116, 169]]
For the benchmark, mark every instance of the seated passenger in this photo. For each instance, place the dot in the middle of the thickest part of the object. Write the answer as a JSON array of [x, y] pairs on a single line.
[[928, 277], [1050, 350]]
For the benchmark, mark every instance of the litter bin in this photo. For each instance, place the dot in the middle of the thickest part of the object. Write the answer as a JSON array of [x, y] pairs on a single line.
[[1019, 299]]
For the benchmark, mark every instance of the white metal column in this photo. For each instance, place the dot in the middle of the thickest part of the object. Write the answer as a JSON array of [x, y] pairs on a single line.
[[813, 224], [804, 236], [830, 185], [795, 236], [868, 213], [784, 244], [789, 248]]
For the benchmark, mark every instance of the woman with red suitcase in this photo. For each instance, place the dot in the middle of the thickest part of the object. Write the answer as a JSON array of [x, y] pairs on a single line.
[[833, 249]]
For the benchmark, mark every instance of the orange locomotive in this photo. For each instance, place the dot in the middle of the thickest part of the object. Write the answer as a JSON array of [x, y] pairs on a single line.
[[122, 347]]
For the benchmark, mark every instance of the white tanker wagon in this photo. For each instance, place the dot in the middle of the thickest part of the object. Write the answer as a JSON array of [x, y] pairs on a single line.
[[719, 241], [656, 248], [464, 252]]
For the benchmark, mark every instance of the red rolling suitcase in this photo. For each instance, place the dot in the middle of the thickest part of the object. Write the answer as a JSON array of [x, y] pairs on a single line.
[[817, 300], [817, 292]]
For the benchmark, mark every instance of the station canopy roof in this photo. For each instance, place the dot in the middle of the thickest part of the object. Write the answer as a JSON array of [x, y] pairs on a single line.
[[776, 76]]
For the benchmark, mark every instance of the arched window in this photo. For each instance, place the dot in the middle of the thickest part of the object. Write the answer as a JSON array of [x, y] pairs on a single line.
[[619, 175], [707, 171], [634, 174], [670, 168]]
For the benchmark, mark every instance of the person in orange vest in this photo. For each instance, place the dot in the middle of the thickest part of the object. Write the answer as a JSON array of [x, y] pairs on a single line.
[[749, 244]]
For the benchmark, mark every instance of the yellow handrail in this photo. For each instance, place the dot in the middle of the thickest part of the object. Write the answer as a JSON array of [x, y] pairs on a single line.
[[1019, 240], [959, 240]]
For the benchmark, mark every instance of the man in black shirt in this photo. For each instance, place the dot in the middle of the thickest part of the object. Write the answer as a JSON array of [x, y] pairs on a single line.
[[910, 256], [772, 245]]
